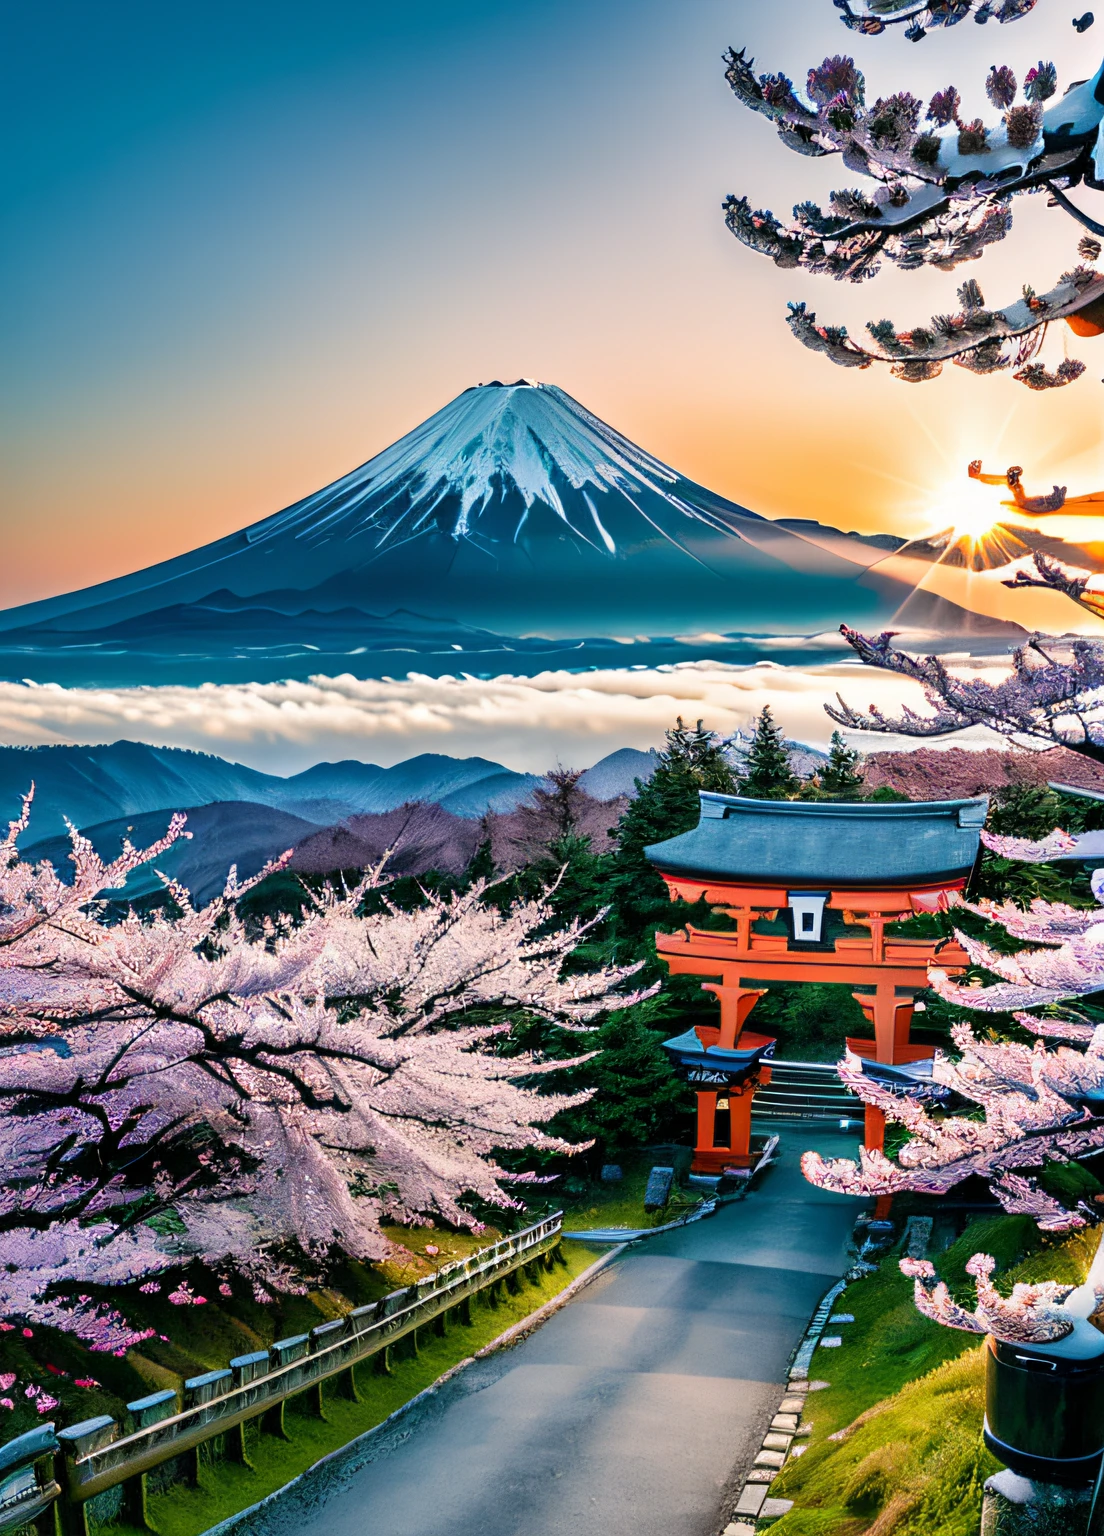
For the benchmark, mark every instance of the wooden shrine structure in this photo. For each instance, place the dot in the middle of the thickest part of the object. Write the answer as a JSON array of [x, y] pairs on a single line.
[[811, 887]]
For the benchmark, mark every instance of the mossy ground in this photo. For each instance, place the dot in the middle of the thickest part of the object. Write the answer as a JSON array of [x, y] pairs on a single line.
[[226, 1488], [592, 1204], [909, 1397]]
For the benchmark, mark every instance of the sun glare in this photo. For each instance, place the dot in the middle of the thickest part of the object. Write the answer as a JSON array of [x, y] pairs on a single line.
[[971, 509]]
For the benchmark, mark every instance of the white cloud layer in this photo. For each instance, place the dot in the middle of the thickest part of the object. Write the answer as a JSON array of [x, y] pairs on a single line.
[[526, 722]]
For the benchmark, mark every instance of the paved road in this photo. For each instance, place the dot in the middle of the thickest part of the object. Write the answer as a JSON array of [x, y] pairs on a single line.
[[629, 1411]]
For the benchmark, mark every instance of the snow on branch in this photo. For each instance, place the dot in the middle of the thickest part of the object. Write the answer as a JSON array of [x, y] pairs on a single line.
[[871, 17], [975, 338], [1057, 701], [182, 1086], [941, 195]]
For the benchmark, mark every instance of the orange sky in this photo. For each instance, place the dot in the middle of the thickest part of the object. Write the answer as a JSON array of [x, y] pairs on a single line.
[[223, 309]]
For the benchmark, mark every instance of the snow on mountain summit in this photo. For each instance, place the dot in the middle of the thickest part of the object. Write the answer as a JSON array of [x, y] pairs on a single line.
[[513, 444]]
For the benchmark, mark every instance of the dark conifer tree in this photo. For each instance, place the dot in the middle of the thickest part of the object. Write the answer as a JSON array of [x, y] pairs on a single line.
[[769, 774], [665, 805], [839, 776]]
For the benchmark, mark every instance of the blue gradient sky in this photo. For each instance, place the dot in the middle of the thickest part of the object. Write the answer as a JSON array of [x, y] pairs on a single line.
[[245, 246]]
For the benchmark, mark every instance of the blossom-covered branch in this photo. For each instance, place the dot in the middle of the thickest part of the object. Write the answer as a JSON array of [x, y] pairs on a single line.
[[943, 192], [1034, 1103], [870, 17], [1032, 1314], [181, 1086], [1039, 1104], [1043, 699], [974, 337], [1086, 588]]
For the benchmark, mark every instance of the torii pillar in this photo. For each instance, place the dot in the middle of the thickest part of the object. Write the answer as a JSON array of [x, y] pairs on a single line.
[[888, 1011], [736, 1004]]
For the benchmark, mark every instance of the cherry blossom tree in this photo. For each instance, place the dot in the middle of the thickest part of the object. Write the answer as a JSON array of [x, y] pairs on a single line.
[[180, 1086], [1039, 1103], [939, 191], [1053, 694]]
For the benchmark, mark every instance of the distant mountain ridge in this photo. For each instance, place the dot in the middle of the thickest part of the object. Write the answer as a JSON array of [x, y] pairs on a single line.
[[92, 786]]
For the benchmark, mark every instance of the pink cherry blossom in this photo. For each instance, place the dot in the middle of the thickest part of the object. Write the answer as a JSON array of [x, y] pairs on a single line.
[[1052, 697], [315, 1121], [1040, 1102], [7, 1381], [6, 1402]]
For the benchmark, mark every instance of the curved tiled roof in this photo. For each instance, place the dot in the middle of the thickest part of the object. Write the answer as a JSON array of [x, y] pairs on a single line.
[[826, 843]]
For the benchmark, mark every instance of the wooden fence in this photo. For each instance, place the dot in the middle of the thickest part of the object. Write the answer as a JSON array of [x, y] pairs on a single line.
[[47, 1479]]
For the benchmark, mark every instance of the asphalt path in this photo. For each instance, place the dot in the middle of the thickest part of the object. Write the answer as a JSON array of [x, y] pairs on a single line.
[[629, 1412]]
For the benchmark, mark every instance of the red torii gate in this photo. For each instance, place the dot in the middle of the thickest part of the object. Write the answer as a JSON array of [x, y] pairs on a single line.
[[926, 852]]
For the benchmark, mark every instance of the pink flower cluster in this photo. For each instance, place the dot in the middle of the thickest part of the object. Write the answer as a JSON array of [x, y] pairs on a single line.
[[313, 1126], [43, 1402], [184, 1296]]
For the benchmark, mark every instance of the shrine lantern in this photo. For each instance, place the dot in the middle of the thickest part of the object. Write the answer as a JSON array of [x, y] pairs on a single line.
[[810, 887]]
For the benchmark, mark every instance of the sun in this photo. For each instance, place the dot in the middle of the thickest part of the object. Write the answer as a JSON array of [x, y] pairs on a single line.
[[972, 510], [970, 528]]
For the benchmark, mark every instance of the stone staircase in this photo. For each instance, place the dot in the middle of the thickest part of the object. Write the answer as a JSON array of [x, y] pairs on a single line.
[[805, 1090]]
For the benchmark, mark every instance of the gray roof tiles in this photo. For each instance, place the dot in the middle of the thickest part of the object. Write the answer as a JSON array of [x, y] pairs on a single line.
[[821, 843]]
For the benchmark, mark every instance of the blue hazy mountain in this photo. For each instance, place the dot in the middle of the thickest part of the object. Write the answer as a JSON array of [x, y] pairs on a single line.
[[425, 812], [95, 785], [513, 530], [236, 833]]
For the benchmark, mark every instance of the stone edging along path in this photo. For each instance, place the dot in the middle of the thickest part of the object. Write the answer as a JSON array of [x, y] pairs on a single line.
[[754, 1503], [348, 1453]]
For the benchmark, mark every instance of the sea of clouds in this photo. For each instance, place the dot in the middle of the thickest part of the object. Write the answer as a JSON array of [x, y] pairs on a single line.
[[528, 723]]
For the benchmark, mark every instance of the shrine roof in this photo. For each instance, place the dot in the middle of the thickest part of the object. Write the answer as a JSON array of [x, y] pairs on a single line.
[[826, 843]]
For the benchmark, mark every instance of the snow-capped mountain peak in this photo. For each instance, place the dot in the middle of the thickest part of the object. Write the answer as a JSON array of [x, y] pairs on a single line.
[[523, 443], [512, 511]]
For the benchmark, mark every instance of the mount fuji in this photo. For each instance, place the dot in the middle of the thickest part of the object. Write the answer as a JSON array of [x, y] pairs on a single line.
[[513, 530]]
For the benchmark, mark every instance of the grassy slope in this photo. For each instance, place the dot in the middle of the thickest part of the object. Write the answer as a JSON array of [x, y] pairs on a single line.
[[621, 1204], [191, 1340], [225, 1488], [911, 1395]]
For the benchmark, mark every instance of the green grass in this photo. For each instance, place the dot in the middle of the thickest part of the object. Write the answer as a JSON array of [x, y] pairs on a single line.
[[621, 1204], [190, 1340], [226, 1488], [909, 1397]]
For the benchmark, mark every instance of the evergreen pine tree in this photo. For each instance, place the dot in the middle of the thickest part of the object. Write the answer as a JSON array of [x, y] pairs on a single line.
[[640, 1097], [665, 805], [838, 776], [769, 775]]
